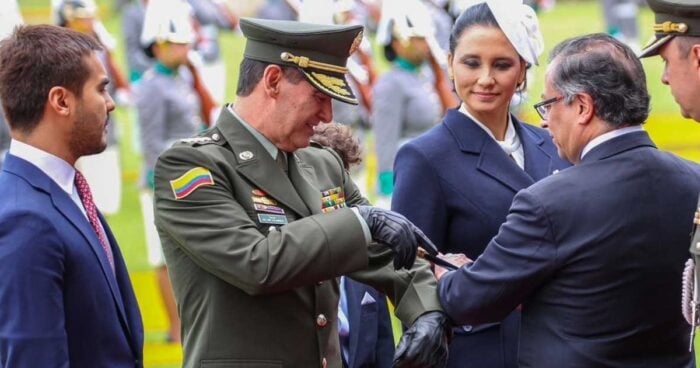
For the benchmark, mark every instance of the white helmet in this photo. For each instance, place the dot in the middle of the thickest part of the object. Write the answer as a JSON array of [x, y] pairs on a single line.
[[69, 10], [167, 21]]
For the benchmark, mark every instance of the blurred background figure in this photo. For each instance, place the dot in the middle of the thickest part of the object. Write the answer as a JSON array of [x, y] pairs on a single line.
[[102, 171], [457, 180], [409, 98], [10, 17], [364, 325], [279, 9], [621, 21], [137, 61], [211, 17], [168, 109]]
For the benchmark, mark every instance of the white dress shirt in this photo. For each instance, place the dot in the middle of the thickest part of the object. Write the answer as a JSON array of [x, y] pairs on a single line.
[[510, 144], [62, 173]]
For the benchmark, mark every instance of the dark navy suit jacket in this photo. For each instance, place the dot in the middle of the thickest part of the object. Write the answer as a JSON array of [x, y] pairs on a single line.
[[60, 303], [595, 255], [456, 184], [371, 340]]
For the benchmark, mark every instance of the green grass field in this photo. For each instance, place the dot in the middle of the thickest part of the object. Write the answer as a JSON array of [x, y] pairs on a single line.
[[567, 19]]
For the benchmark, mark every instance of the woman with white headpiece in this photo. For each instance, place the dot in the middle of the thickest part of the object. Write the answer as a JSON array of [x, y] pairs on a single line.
[[457, 180]]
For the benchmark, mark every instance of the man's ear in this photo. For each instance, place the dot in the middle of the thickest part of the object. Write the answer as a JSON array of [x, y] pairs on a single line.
[[61, 101], [272, 77], [586, 108], [695, 55]]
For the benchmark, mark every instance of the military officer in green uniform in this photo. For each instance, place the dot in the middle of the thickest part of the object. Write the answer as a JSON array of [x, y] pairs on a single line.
[[677, 41], [256, 225]]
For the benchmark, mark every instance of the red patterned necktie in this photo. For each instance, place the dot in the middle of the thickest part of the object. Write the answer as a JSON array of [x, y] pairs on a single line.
[[91, 211]]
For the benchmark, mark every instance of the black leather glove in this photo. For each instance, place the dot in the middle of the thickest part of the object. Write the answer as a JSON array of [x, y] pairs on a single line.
[[425, 343], [395, 231]]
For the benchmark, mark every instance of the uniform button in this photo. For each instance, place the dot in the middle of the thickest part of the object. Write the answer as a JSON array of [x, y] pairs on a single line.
[[321, 320], [215, 137]]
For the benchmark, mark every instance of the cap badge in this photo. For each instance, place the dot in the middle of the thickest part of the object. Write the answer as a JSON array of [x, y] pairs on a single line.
[[334, 84]]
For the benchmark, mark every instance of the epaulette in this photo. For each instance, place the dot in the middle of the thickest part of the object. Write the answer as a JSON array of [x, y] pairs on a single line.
[[214, 138]]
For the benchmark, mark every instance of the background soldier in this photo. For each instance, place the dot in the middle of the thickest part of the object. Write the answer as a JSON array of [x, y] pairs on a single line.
[[677, 41]]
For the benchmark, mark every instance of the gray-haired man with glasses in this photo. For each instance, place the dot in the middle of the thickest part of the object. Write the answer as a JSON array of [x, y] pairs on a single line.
[[593, 254]]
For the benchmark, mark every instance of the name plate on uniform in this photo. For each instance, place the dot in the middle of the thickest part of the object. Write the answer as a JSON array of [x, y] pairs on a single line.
[[266, 218]]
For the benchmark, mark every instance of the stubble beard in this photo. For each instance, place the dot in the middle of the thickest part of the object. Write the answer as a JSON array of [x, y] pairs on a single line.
[[85, 138]]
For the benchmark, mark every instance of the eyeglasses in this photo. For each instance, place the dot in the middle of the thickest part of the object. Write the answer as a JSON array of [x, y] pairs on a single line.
[[544, 106]]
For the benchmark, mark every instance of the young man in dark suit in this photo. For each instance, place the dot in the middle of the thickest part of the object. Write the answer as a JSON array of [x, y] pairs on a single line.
[[66, 296]]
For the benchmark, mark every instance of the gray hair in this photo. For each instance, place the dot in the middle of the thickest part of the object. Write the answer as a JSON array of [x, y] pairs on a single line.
[[251, 72], [608, 71], [685, 44]]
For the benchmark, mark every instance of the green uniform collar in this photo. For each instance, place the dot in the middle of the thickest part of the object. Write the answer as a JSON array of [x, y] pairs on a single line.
[[405, 64], [162, 69], [269, 146]]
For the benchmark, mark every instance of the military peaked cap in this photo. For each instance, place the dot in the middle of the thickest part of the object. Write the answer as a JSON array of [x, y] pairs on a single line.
[[673, 18], [319, 51]]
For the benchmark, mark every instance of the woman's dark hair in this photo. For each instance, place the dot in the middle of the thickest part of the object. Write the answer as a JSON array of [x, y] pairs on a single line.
[[477, 15]]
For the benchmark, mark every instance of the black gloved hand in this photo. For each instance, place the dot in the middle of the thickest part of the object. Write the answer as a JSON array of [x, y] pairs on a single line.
[[394, 230], [425, 343]]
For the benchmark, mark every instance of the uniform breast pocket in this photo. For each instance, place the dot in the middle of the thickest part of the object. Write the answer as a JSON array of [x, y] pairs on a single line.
[[240, 363]]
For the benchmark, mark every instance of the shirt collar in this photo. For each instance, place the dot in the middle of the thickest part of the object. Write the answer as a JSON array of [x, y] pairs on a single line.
[[162, 69], [269, 146], [510, 129], [597, 141], [54, 167], [405, 64]]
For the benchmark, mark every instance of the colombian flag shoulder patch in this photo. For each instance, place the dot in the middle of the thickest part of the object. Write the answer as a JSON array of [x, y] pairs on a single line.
[[190, 181]]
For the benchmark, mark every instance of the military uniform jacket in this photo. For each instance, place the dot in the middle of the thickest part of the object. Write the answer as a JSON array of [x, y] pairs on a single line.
[[251, 290]]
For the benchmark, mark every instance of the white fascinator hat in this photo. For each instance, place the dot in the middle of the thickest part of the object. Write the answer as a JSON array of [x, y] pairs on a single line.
[[520, 25]]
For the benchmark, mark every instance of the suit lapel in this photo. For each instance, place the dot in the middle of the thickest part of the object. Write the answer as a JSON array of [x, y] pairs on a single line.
[[493, 162], [538, 163], [255, 164], [65, 205]]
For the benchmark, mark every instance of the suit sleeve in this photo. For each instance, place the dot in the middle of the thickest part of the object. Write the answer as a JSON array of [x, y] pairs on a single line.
[[418, 194], [213, 229], [32, 322], [515, 263]]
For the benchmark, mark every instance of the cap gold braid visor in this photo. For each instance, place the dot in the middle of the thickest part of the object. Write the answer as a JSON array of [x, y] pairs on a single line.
[[320, 52]]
